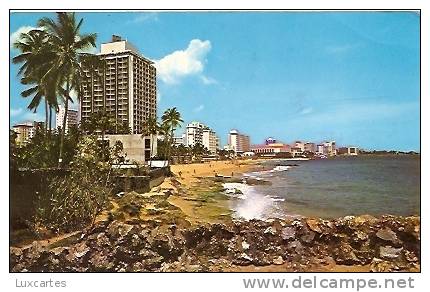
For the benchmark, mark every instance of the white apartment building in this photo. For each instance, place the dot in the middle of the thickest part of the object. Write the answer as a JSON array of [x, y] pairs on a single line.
[[238, 142], [299, 144], [72, 118], [197, 132], [210, 140], [329, 148], [310, 147], [126, 89], [25, 131], [194, 134], [179, 140]]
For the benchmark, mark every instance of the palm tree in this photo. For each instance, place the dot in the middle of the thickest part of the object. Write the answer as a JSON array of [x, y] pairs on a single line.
[[100, 122], [35, 51], [172, 119], [67, 64], [151, 128], [165, 131]]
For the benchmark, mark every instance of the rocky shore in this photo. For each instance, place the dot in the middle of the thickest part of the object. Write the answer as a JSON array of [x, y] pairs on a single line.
[[147, 233]]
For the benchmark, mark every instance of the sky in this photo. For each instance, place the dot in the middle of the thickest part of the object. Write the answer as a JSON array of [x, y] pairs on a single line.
[[352, 77]]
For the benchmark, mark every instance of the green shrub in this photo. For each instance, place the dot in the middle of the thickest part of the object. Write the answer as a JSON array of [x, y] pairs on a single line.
[[74, 201]]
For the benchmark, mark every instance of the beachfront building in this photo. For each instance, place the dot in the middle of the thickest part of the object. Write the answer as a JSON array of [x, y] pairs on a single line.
[[299, 144], [210, 140], [310, 147], [296, 151], [194, 134], [350, 150], [25, 131], [72, 118], [320, 149], [178, 140], [329, 148], [197, 132], [125, 88], [271, 148], [238, 142]]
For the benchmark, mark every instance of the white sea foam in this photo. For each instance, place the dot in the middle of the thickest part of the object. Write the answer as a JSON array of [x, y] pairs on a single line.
[[276, 199], [281, 168], [253, 205]]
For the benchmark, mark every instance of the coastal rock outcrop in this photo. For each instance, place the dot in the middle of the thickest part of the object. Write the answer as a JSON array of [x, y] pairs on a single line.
[[388, 243]]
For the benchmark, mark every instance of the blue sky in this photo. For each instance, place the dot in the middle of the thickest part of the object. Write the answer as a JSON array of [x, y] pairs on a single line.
[[352, 77]]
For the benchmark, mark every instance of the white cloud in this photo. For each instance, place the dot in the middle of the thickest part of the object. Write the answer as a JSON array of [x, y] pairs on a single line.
[[191, 61], [31, 116], [357, 112], [306, 110], [199, 108], [90, 50], [158, 96], [144, 17], [208, 80], [15, 36], [15, 112]]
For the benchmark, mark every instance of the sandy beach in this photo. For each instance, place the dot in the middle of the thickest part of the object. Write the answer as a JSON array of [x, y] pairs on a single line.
[[199, 197], [189, 173]]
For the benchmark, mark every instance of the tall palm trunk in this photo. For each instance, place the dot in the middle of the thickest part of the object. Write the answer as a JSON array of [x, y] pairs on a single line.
[[151, 149], [46, 118], [63, 129], [170, 145], [50, 121]]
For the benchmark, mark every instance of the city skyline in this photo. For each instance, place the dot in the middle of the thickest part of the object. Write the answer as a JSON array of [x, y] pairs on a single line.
[[349, 77]]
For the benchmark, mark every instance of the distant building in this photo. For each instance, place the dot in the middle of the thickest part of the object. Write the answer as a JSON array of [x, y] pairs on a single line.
[[238, 142], [71, 120], [25, 131], [270, 140], [310, 147], [210, 140], [329, 148], [270, 148], [351, 150], [194, 134], [179, 140], [197, 132], [320, 149], [299, 144], [296, 151]]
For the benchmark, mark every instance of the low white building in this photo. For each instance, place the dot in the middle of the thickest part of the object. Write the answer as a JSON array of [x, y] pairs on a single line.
[[137, 148]]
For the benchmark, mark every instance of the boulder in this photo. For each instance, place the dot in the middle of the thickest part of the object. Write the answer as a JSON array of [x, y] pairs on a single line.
[[387, 234], [389, 252]]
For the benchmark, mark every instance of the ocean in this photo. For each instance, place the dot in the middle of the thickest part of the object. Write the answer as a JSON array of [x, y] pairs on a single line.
[[330, 188]]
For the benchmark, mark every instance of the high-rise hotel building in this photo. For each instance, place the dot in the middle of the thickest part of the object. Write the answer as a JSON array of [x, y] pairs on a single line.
[[125, 89]]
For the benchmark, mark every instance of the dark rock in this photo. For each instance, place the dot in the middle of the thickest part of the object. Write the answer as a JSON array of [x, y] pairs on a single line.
[[243, 260], [288, 233], [344, 254], [313, 225], [308, 237]]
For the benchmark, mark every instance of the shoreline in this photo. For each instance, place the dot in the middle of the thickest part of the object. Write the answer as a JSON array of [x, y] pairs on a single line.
[[185, 224], [199, 193]]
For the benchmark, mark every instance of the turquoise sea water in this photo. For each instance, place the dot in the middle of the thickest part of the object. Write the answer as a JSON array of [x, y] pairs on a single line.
[[328, 188]]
